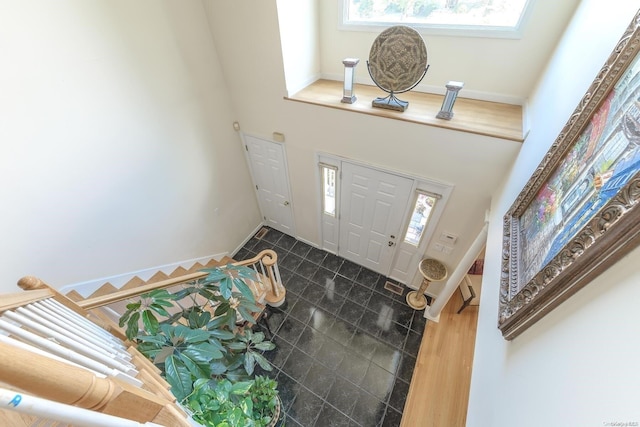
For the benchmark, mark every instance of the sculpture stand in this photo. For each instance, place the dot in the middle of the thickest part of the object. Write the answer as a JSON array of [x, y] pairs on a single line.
[[390, 103], [432, 271]]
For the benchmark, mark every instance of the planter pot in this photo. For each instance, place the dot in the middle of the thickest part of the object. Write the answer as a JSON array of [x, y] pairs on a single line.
[[277, 414]]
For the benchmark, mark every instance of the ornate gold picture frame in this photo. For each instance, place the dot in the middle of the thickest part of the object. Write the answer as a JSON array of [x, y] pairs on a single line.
[[578, 213]]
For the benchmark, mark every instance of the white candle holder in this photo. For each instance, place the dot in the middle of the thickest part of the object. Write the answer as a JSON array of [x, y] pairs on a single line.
[[449, 99], [348, 96]]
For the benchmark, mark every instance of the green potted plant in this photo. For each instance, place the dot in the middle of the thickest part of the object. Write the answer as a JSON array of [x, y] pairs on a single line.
[[221, 403], [197, 339]]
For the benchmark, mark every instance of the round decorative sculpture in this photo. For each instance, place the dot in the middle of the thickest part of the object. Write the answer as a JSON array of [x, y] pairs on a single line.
[[397, 63]]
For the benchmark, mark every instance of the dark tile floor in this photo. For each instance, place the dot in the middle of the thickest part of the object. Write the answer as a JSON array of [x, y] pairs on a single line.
[[345, 346]]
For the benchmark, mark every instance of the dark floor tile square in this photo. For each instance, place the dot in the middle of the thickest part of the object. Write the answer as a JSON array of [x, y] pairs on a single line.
[[278, 355], [261, 246], [307, 269], [402, 314], [412, 343], [341, 331], [331, 417], [297, 365], [290, 422], [349, 269], [351, 312], [387, 357], [372, 322], [319, 379], [405, 370], [378, 382], [313, 293], [331, 302], [296, 284], [395, 335], [287, 389], [251, 243], [399, 395], [310, 341], [290, 261], [418, 323], [243, 254], [342, 285], [363, 344], [306, 407], [392, 418], [380, 304], [301, 249], [286, 242], [290, 330], [368, 410], [359, 294], [316, 255], [324, 277], [272, 236], [331, 354], [321, 320], [342, 395], [285, 276], [302, 310], [332, 262], [273, 319], [368, 278], [353, 368]]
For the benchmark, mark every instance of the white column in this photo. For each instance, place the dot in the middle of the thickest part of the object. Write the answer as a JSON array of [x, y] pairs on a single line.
[[433, 312]]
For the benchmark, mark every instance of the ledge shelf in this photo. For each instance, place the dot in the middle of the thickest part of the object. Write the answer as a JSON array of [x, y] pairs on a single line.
[[493, 119]]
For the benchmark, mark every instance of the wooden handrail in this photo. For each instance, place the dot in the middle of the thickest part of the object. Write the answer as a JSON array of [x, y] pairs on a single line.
[[267, 256], [57, 381]]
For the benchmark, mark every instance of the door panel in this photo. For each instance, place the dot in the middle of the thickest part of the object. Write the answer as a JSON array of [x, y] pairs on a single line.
[[268, 165], [373, 207]]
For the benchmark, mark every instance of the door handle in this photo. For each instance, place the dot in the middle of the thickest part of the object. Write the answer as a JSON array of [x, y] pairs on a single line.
[[392, 236], [286, 203], [391, 243]]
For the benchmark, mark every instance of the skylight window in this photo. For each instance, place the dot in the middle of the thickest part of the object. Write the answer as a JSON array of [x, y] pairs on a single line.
[[465, 17]]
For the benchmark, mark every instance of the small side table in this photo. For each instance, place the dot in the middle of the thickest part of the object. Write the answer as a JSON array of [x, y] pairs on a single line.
[[432, 270]]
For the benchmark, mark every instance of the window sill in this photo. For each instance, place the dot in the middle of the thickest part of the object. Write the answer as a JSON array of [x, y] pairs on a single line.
[[493, 119]]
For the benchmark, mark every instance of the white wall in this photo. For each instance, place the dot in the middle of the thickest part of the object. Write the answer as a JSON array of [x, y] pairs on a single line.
[[116, 151], [578, 366], [503, 70], [474, 164]]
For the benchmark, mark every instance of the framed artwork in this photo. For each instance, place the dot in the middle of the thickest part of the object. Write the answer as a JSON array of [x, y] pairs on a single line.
[[578, 213]]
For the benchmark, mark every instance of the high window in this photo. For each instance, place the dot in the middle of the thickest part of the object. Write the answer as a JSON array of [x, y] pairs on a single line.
[[482, 17]]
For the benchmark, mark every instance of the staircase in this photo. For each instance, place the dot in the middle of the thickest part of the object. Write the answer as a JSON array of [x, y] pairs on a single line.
[[66, 362]]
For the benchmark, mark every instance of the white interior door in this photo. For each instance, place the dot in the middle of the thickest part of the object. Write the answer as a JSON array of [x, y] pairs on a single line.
[[373, 209], [268, 165]]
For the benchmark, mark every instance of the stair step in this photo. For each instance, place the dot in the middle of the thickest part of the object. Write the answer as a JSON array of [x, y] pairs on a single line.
[[133, 283], [105, 289]]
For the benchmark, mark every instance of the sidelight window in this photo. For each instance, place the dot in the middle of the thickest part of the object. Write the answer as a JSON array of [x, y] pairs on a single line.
[[419, 217]]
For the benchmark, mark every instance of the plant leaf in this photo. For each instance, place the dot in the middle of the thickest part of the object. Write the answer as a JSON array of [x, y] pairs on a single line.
[[264, 364], [150, 322], [244, 289], [241, 387], [265, 345], [178, 377], [249, 362], [132, 325]]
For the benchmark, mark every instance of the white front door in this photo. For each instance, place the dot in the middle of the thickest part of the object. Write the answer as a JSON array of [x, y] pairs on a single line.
[[373, 209], [269, 169]]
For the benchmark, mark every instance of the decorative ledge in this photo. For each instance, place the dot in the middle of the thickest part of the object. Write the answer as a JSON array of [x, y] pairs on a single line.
[[493, 119]]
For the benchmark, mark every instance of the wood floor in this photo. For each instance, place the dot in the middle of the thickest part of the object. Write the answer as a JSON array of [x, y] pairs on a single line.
[[439, 391]]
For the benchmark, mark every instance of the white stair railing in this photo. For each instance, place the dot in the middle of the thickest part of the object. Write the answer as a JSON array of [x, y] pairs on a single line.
[[60, 412]]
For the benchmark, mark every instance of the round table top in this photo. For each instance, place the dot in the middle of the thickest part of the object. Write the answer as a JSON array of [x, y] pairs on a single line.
[[432, 269]]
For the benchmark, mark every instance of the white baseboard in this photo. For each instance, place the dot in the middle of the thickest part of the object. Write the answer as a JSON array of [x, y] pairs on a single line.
[[244, 242], [87, 288]]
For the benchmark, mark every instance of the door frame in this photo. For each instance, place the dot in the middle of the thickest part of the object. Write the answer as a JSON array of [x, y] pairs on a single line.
[[443, 189], [245, 150]]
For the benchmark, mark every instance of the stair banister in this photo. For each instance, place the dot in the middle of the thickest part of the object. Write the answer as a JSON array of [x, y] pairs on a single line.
[[267, 257], [63, 383], [49, 410]]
